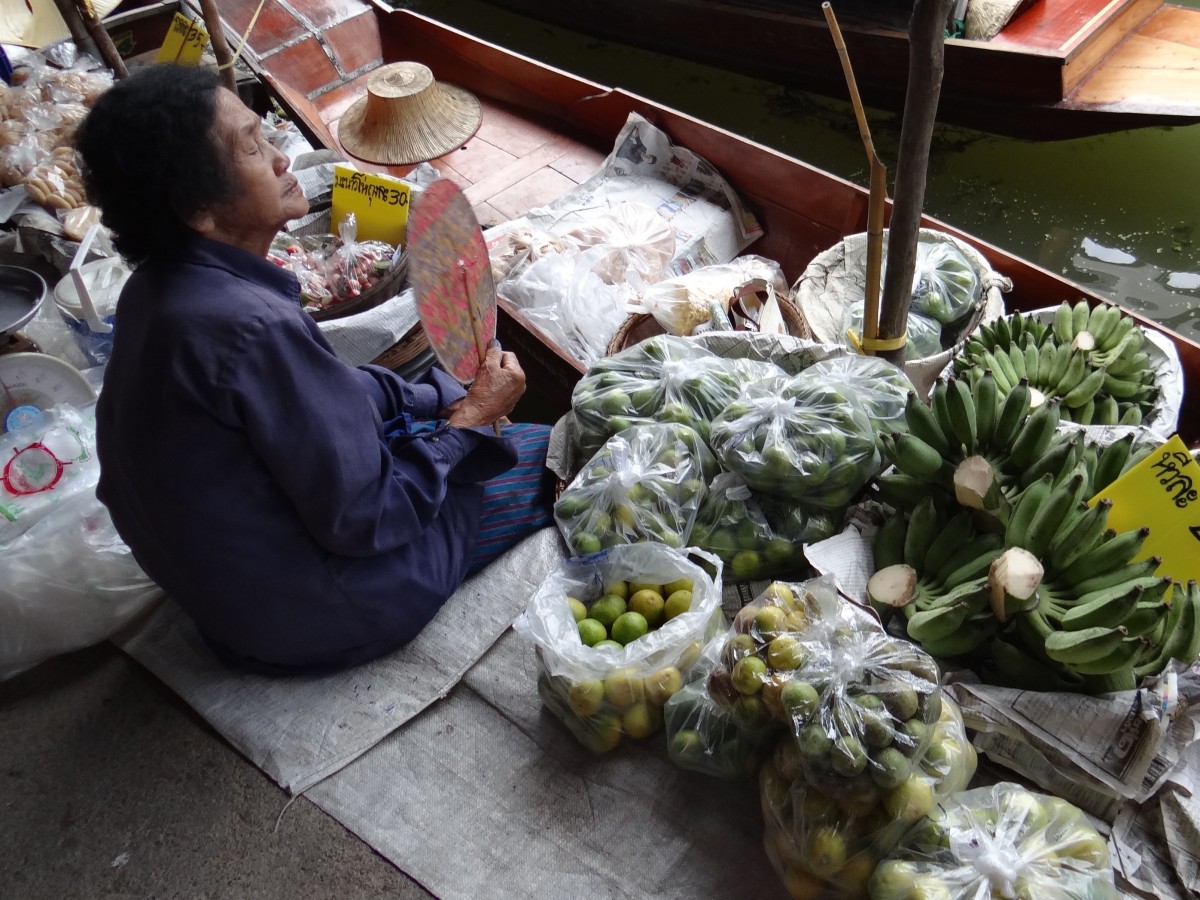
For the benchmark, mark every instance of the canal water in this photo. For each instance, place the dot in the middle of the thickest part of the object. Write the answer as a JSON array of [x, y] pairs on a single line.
[[1119, 213]]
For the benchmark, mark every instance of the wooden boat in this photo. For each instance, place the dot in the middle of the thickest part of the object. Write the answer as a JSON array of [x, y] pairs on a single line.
[[1059, 68], [545, 130]]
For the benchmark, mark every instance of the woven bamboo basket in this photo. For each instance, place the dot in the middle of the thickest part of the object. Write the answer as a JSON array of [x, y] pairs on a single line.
[[414, 344], [639, 326]]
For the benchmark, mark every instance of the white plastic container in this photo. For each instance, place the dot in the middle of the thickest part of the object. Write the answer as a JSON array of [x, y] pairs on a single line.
[[89, 313]]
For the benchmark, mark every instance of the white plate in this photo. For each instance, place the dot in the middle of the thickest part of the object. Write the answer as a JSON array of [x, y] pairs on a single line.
[[36, 381]]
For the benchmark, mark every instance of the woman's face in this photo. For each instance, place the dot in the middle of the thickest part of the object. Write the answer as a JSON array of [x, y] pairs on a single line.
[[267, 197]]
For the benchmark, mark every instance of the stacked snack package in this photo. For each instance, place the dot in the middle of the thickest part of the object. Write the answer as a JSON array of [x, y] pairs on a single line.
[[615, 689], [644, 484], [661, 379], [1001, 841], [38, 120]]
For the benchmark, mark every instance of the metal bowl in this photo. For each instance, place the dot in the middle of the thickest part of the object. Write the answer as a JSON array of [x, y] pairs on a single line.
[[21, 294]]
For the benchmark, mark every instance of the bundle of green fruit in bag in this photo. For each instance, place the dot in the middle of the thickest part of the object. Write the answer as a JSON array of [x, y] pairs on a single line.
[[825, 842], [661, 379], [710, 737], [644, 484], [795, 437], [858, 702], [946, 287], [878, 386], [609, 691], [731, 525], [1001, 841]]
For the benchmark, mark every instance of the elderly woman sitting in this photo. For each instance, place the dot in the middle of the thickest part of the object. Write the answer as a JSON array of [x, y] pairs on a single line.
[[306, 514]]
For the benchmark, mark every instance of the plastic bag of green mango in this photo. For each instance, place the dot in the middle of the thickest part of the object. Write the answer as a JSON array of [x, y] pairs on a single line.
[[725, 740], [946, 287], [613, 690], [731, 525], [999, 841], [793, 437], [877, 385], [644, 484]]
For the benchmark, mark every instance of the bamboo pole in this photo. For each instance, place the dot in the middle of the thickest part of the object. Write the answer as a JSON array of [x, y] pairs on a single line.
[[220, 46], [70, 14], [877, 198], [104, 45], [926, 64]]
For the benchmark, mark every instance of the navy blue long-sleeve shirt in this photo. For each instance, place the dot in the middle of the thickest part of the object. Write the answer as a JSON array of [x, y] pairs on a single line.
[[250, 472]]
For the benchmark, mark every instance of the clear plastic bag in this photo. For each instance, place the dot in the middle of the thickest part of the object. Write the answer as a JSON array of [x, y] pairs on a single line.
[[796, 438], [946, 287], [685, 302], [637, 243], [644, 484], [661, 379], [66, 583], [706, 736], [876, 385], [1001, 841], [44, 464], [730, 524], [305, 257], [860, 704], [822, 839], [356, 265], [604, 694], [924, 333], [800, 524]]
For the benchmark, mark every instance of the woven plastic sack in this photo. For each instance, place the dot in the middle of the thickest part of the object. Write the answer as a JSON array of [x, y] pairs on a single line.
[[604, 694]]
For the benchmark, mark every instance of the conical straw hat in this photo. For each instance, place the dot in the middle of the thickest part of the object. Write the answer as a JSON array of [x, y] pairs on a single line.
[[407, 117]]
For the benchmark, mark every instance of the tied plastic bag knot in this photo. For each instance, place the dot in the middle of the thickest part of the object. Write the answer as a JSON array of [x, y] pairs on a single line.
[[674, 374], [773, 408], [996, 859]]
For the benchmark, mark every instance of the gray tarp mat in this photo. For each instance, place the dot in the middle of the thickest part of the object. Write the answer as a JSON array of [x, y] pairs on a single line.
[[485, 794], [301, 730]]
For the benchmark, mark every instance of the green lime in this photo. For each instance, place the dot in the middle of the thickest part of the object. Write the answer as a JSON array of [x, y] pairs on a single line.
[[628, 627], [591, 632]]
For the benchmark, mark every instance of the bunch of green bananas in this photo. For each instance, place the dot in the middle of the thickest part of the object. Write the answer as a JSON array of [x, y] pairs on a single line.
[[1090, 358], [949, 614], [961, 421]]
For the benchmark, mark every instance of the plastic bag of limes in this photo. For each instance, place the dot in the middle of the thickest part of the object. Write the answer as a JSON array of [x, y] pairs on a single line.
[[644, 484], [999, 841], [661, 379], [731, 524], [617, 632], [827, 841], [796, 437]]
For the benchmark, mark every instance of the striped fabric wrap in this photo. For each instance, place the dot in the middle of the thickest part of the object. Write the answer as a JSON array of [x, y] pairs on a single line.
[[518, 502]]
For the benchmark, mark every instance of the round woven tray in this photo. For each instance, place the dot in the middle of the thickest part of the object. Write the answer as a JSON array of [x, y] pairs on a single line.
[[639, 326], [414, 343]]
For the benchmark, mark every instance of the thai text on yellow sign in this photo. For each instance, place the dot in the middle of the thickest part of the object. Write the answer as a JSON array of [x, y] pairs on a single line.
[[1161, 492], [184, 43], [379, 203]]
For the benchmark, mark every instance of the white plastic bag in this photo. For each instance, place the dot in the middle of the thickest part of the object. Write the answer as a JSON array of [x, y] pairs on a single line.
[[68, 582]]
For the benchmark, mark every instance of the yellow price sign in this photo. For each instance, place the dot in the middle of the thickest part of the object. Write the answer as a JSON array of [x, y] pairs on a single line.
[[379, 202], [1161, 492], [184, 43]]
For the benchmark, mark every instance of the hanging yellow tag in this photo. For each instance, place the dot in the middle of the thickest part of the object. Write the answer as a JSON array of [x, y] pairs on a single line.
[[379, 203], [184, 43], [1161, 492]]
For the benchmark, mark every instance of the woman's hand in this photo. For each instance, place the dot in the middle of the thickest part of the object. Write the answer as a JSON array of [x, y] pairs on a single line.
[[498, 386]]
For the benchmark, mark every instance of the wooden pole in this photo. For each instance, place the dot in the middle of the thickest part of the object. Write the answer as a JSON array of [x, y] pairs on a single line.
[[70, 13], [220, 46], [878, 191], [926, 64], [104, 45]]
